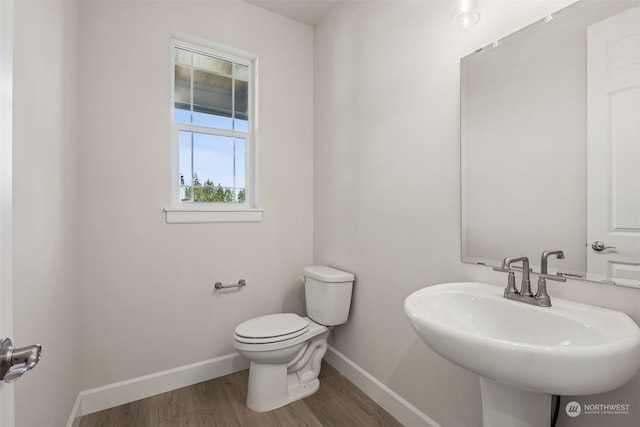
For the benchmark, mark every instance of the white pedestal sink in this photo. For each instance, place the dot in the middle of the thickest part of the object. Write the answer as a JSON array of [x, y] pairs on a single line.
[[524, 353]]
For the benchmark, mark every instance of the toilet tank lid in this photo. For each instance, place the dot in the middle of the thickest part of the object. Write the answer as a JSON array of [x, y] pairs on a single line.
[[327, 274]]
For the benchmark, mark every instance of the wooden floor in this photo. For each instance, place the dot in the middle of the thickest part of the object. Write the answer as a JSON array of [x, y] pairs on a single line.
[[221, 402]]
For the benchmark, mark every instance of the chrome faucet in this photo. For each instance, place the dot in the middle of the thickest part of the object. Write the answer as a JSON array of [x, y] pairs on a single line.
[[525, 286], [525, 295], [542, 296]]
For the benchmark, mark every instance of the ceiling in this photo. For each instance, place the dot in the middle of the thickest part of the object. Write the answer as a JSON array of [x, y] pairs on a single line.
[[309, 12]]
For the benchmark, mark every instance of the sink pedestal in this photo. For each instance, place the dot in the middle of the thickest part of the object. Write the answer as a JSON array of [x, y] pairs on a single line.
[[509, 406]]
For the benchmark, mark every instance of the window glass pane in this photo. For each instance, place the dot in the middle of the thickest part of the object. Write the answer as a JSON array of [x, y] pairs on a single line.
[[211, 91], [241, 105], [181, 116], [213, 159], [211, 120], [241, 72], [182, 94], [240, 162], [184, 159], [241, 125], [212, 101], [183, 85], [218, 173], [182, 88], [212, 64], [183, 56]]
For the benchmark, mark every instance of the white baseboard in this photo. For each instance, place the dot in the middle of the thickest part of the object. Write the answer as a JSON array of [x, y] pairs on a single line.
[[393, 403], [109, 396]]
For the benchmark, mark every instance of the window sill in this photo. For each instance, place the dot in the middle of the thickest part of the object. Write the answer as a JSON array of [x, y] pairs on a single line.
[[208, 214]]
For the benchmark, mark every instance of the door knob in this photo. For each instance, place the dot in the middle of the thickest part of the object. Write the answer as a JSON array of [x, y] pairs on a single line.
[[599, 246], [16, 361]]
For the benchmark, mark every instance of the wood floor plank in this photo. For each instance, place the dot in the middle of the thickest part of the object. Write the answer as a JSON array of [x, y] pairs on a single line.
[[193, 419], [222, 403], [141, 413], [296, 414], [97, 419], [327, 370], [356, 402], [211, 398], [340, 401], [175, 403], [332, 414]]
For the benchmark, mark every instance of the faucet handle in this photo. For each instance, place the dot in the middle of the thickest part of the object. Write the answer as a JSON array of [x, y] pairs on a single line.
[[511, 280], [553, 277]]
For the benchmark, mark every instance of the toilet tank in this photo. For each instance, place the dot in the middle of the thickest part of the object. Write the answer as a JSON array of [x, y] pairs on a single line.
[[328, 294]]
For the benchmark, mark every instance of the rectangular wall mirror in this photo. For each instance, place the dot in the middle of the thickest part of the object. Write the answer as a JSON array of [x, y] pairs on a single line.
[[550, 144]]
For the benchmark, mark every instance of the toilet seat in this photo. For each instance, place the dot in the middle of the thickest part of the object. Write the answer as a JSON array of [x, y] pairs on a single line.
[[309, 331], [271, 328]]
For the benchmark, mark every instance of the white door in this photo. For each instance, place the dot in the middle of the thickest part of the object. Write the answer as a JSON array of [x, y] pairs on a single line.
[[6, 109], [613, 148]]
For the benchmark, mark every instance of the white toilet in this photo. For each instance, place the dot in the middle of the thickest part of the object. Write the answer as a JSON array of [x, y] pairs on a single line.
[[285, 349]]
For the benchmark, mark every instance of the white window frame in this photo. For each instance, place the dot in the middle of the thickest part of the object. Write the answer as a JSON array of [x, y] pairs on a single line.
[[204, 212]]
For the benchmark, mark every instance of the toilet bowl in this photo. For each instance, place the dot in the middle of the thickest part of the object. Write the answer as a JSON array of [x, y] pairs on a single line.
[[286, 350], [284, 367]]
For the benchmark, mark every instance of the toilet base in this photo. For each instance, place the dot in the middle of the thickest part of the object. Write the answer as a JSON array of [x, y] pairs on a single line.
[[270, 387], [267, 386], [300, 391]]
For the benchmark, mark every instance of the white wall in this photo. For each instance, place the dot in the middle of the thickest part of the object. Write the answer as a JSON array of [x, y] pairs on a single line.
[[386, 155], [386, 187], [147, 286], [45, 165]]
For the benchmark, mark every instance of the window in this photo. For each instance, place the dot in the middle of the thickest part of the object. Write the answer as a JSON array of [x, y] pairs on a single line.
[[214, 138]]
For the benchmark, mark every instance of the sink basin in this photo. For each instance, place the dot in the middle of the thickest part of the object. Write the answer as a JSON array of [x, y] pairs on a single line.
[[566, 349]]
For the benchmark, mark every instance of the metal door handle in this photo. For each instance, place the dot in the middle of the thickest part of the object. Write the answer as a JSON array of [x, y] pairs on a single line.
[[599, 246], [16, 361]]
